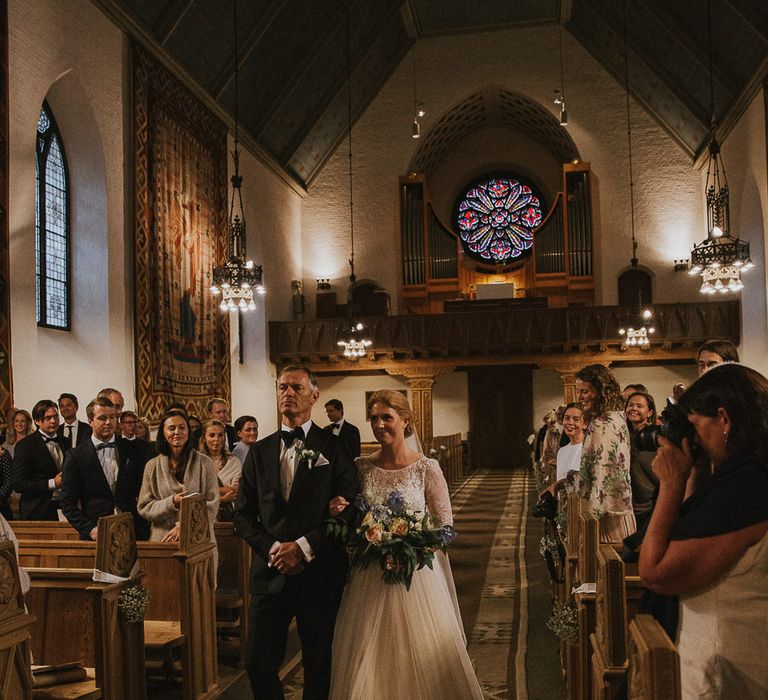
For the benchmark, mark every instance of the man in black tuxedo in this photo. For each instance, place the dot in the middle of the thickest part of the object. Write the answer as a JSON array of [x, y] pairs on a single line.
[[218, 409], [348, 433], [287, 482], [72, 432], [37, 465], [101, 476]]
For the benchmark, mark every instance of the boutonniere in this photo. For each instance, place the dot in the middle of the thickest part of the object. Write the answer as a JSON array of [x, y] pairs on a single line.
[[307, 455]]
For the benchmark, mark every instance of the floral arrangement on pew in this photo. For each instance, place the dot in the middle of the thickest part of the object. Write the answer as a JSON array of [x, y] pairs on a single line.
[[399, 540]]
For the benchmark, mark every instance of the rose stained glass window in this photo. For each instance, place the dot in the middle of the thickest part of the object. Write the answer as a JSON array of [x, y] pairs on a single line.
[[496, 217]]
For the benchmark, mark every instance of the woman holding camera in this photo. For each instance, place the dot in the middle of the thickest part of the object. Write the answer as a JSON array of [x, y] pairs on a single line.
[[707, 541], [604, 481]]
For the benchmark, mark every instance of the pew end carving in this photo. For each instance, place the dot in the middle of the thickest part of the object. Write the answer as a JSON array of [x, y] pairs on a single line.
[[654, 664], [15, 624]]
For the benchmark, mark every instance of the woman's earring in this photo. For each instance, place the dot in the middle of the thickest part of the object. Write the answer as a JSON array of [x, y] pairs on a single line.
[[725, 436]]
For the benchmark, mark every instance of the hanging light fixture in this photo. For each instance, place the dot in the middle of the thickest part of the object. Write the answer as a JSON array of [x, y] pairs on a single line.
[[418, 107], [560, 92], [354, 341], [640, 328], [720, 258], [239, 278]]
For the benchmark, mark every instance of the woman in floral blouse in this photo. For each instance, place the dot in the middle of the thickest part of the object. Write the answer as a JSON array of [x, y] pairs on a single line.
[[604, 480]]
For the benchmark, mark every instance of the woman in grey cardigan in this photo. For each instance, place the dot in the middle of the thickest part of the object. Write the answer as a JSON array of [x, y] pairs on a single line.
[[179, 470]]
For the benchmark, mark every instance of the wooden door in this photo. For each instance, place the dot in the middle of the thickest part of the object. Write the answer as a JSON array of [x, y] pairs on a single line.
[[500, 416]]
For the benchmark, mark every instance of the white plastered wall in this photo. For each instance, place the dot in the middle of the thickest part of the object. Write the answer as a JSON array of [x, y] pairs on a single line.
[[71, 54]]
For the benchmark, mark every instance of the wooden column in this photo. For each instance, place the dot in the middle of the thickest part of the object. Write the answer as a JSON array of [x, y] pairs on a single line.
[[568, 379], [420, 379]]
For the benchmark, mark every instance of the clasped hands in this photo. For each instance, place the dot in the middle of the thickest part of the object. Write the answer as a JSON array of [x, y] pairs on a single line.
[[287, 558], [336, 506]]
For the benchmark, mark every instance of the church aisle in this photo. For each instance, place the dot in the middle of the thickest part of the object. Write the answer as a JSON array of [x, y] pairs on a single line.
[[502, 588]]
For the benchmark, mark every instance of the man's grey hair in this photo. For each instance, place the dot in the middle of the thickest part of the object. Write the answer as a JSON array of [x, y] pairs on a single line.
[[300, 368]]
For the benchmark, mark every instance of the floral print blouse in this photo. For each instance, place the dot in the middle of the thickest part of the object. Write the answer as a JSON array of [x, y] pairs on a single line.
[[604, 480]]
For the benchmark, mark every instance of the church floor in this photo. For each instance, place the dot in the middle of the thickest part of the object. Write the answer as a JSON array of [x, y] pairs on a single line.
[[503, 590]]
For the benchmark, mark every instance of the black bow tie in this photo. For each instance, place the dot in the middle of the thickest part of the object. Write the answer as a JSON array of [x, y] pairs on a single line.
[[105, 446], [290, 436], [46, 440]]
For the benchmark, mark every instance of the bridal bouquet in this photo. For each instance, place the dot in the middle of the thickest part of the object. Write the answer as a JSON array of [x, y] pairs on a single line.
[[399, 540]]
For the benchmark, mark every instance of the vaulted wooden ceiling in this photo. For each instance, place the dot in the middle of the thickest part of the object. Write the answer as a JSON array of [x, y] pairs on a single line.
[[293, 57]]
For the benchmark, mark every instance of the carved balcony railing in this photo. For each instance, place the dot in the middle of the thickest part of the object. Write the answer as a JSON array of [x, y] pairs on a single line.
[[506, 333]]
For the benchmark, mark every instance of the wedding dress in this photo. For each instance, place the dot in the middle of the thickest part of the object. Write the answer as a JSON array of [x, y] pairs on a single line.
[[396, 643]]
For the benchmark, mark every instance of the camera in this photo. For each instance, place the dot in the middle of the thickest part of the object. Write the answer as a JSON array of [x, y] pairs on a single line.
[[676, 426], [546, 506]]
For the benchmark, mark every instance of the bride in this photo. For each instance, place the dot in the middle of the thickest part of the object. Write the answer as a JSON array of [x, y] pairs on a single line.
[[391, 642]]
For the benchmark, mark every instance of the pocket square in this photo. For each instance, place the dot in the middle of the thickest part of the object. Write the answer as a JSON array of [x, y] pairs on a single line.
[[321, 461]]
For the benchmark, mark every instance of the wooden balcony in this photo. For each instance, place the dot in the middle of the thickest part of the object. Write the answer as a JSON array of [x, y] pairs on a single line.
[[544, 337]]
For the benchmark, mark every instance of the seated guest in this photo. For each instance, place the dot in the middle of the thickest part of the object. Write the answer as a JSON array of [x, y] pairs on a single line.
[[569, 456], [21, 426], [218, 409], [707, 541], [247, 430], [349, 434], [72, 432], [641, 419], [213, 443], [179, 470], [100, 476], [715, 352], [604, 482], [37, 465]]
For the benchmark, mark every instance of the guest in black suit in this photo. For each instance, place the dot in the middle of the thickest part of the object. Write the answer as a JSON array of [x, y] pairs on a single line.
[[348, 433], [280, 511], [37, 465], [72, 432], [101, 476], [218, 409]]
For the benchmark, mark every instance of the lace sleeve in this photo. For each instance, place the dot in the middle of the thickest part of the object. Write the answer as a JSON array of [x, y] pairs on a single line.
[[436, 493]]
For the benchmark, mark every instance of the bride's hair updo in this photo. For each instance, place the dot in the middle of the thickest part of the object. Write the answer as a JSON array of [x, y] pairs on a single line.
[[397, 402]]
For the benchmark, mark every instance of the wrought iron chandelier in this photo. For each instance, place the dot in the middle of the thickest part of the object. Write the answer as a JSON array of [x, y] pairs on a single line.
[[353, 341], [720, 258], [238, 279], [640, 328]]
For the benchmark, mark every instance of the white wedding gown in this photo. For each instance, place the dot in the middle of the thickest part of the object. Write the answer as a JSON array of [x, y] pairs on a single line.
[[396, 643]]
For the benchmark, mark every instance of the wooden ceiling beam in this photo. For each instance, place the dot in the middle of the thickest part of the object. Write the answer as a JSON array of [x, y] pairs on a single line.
[[746, 12], [169, 19], [255, 34]]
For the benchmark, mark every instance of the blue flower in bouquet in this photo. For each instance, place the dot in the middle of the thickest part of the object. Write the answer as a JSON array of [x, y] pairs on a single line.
[[396, 503], [447, 534], [361, 504]]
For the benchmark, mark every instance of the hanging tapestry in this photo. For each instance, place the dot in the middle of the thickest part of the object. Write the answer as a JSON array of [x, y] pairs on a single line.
[[180, 190]]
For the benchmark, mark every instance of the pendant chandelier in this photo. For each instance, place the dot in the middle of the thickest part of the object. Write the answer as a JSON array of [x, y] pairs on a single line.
[[238, 279], [640, 328], [353, 341], [720, 258], [418, 107]]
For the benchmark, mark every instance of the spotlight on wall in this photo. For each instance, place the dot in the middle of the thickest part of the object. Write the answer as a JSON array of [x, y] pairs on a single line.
[[323, 284]]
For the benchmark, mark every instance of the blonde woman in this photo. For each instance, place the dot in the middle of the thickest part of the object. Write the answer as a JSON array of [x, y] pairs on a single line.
[[213, 442]]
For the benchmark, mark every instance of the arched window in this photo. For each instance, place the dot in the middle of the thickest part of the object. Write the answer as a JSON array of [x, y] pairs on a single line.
[[52, 225], [496, 216]]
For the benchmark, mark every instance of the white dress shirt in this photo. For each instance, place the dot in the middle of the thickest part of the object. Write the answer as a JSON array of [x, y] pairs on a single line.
[[70, 431], [54, 449], [337, 427], [108, 461], [287, 474]]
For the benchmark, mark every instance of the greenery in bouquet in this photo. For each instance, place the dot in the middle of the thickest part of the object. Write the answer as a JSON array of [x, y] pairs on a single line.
[[389, 535]]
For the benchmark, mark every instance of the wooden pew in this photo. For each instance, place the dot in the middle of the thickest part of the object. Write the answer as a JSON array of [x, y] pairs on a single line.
[[78, 619], [15, 630], [233, 566], [654, 664], [181, 580], [608, 641]]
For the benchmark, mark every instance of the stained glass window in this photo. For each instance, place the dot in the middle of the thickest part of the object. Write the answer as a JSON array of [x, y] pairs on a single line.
[[51, 225], [495, 218]]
